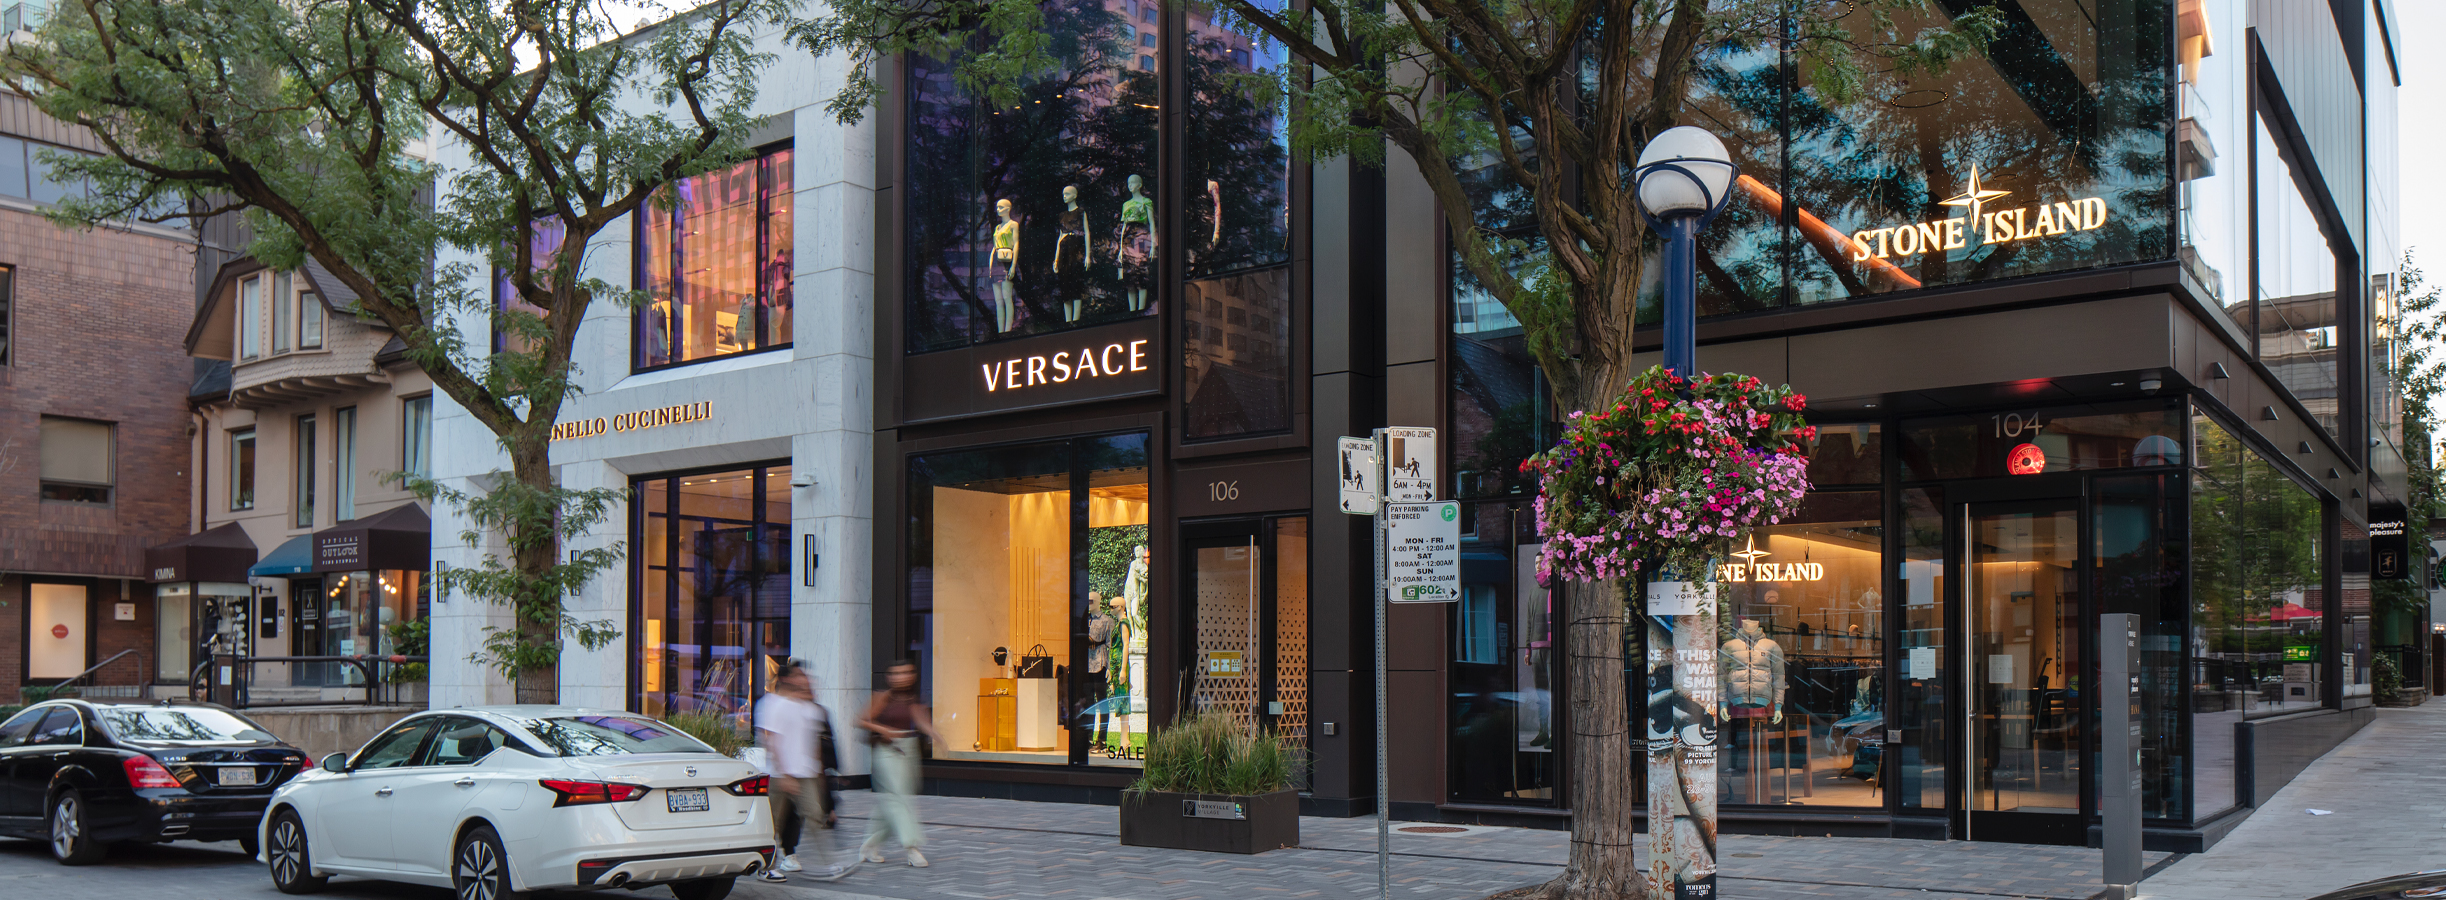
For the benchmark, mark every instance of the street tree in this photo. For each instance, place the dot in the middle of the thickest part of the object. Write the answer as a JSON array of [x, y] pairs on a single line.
[[1501, 105], [548, 125]]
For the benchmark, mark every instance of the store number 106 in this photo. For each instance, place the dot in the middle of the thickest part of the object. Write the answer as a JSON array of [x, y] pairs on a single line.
[[2014, 425]]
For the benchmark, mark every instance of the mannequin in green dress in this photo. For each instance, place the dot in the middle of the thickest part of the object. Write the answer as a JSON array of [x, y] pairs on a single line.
[[1006, 268], [1135, 250]]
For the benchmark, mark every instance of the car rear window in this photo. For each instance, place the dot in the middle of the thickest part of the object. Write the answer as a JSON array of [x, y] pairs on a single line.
[[611, 736], [178, 725]]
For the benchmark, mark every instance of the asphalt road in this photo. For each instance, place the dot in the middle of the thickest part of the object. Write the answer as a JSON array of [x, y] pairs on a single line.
[[187, 871]]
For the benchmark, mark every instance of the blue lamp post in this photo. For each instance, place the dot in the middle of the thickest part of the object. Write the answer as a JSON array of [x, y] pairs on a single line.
[[1684, 177], [1682, 181]]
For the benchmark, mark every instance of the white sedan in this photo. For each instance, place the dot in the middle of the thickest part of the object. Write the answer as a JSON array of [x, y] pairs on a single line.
[[494, 801]]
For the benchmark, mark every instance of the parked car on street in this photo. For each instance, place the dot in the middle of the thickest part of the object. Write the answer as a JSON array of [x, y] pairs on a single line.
[[494, 801], [83, 775], [2415, 886]]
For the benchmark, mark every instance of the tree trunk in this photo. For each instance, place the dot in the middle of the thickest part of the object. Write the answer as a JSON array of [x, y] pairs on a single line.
[[1603, 836], [535, 547]]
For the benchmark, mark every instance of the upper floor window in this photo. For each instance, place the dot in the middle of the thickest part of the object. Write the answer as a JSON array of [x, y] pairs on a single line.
[[26, 175], [242, 469], [77, 465], [305, 462], [1041, 217], [344, 464], [416, 435], [715, 260], [280, 308], [2294, 281], [250, 318], [544, 240], [8, 313]]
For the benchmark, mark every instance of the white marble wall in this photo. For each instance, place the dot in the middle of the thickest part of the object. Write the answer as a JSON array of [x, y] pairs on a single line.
[[811, 405]]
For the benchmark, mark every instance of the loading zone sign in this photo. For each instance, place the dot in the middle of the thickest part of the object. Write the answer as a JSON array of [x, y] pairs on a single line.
[[1422, 551]]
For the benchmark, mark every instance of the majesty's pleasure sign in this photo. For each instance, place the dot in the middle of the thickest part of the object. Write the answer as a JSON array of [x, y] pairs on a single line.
[[1988, 226]]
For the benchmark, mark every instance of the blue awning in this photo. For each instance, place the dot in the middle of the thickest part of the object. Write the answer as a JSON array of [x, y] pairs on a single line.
[[295, 556]]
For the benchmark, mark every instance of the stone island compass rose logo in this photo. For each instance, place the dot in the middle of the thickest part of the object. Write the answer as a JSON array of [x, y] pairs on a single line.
[[1750, 569]]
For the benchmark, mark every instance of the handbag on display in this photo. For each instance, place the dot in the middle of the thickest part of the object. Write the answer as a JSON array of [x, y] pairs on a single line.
[[1036, 663]]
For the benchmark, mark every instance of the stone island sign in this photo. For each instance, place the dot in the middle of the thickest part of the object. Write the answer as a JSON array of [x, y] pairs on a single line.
[[1987, 226]]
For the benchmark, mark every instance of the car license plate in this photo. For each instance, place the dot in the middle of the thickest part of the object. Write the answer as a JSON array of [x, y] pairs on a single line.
[[687, 800], [237, 776]]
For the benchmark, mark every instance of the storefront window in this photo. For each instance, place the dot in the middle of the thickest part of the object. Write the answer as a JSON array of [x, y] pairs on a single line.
[[1847, 453], [1026, 660], [173, 632], [1919, 733], [1803, 657], [2296, 283], [715, 255], [2044, 154], [1504, 744], [364, 614], [2258, 592], [1237, 316], [2137, 534], [1500, 413], [544, 238], [1041, 217], [2035, 441], [713, 590]]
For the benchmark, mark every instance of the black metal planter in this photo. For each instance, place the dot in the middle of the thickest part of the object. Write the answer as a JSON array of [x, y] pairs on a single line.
[[1215, 823]]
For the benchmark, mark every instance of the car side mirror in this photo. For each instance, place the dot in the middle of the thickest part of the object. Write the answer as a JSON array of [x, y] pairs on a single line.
[[337, 762]]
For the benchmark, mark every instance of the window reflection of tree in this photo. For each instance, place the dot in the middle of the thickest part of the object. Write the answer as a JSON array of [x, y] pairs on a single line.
[[2256, 542]]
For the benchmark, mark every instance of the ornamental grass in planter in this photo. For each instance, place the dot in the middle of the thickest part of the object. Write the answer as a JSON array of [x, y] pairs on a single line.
[[1211, 784]]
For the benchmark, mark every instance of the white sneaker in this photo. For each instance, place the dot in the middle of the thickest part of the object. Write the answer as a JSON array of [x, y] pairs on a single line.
[[788, 864], [916, 860], [872, 854], [774, 875]]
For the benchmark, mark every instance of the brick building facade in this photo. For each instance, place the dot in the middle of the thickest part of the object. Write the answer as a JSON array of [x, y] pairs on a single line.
[[90, 323]]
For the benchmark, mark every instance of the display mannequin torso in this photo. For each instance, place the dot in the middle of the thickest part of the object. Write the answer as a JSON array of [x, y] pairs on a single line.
[[1753, 670]]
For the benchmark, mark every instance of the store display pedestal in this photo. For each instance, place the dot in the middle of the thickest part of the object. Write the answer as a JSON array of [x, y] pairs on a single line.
[[1039, 714], [1170, 821]]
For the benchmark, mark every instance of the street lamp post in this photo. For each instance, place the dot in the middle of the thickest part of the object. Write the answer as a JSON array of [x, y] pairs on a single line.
[[1683, 178]]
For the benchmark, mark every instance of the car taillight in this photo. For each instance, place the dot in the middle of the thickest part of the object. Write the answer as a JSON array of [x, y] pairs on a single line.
[[143, 772], [757, 786], [573, 793]]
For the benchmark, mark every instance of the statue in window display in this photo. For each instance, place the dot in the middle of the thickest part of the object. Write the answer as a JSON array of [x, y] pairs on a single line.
[[1005, 268], [1134, 253], [1071, 252], [1132, 605]]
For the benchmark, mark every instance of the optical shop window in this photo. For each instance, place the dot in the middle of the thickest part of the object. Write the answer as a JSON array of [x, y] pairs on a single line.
[[993, 607], [1803, 658]]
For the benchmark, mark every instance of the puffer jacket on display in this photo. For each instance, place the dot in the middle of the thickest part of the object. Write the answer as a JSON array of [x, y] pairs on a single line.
[[1753, 671]]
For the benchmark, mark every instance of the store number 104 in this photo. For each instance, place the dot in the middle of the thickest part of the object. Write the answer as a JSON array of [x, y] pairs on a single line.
[[2014, 425]]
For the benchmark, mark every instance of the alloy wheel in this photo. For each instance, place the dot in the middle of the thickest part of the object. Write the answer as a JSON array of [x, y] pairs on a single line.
[[288, 842], [479, 871], [67, 827]]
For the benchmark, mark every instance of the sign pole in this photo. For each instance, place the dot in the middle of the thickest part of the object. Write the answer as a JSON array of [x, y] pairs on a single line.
[[1384, 777], [2119, 788]]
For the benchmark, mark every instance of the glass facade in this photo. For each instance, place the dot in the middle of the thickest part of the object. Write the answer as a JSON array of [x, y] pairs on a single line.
[[1237, 322], [1803, 657], [544, 239], [712, 596], [2294, 281], [2259, 596], [1504, 746], [1029, 599], [714, 257], [1041, 217]]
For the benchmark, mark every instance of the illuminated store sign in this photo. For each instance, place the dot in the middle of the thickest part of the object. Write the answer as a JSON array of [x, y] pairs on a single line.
[[2040, 220], [1029, 371], [636, 421], [1750, 569]]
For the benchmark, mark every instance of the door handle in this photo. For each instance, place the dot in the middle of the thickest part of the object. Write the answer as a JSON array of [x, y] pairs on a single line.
[[465, 782], [382, 792]]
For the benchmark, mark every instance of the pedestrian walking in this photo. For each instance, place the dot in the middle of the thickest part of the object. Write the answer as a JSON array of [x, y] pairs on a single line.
[[793, 730], [893, 721]]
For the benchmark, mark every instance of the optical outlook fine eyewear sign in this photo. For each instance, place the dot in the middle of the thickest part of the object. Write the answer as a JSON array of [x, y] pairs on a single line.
[[1422, 548]]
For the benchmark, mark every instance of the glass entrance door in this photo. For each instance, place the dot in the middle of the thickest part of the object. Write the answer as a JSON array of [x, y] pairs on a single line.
[[1248, 596], [2025, 739]]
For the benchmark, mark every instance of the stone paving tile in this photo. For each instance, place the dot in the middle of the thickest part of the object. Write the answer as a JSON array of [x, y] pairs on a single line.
[[996, 849]]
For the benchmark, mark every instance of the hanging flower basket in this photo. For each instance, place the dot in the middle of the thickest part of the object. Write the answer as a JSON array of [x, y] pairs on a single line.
[[1674, 468]]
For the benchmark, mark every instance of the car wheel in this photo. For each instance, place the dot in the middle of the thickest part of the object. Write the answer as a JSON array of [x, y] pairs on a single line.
[[291, 863], [702, 889], [479, 870], [71, 844]]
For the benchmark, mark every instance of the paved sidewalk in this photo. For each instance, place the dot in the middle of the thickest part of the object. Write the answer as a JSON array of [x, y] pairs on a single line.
[[994, 849], [2386, 790]]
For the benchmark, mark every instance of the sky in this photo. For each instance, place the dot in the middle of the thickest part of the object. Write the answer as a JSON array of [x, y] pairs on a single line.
[[2421, 110]]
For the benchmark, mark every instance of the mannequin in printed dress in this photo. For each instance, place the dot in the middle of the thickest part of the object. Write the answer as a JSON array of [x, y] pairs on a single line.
[[1005, 268], [1072, 252], [1134, 252]]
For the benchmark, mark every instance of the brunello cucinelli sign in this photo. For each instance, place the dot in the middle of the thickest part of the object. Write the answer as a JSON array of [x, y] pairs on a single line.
[[634, 421], [1982, 221], [1100, 363]]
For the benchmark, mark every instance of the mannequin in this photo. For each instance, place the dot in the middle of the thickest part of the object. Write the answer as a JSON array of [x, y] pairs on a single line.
[[1072, 252], [1006, 268], [1753, 674], [1134, 252]]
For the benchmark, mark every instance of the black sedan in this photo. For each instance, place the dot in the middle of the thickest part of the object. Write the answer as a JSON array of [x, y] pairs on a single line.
[[83, 775], [2415, 886]]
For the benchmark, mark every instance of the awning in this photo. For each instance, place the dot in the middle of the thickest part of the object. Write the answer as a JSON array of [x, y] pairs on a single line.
[[215, 554], [294, 556], [397, 538]]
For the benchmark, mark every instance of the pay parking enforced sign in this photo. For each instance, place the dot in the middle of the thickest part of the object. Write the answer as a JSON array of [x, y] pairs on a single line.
[[1422, 543]]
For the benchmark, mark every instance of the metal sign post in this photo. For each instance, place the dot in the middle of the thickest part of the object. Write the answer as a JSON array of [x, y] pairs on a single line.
[[2119, 752], [1391, 476]]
